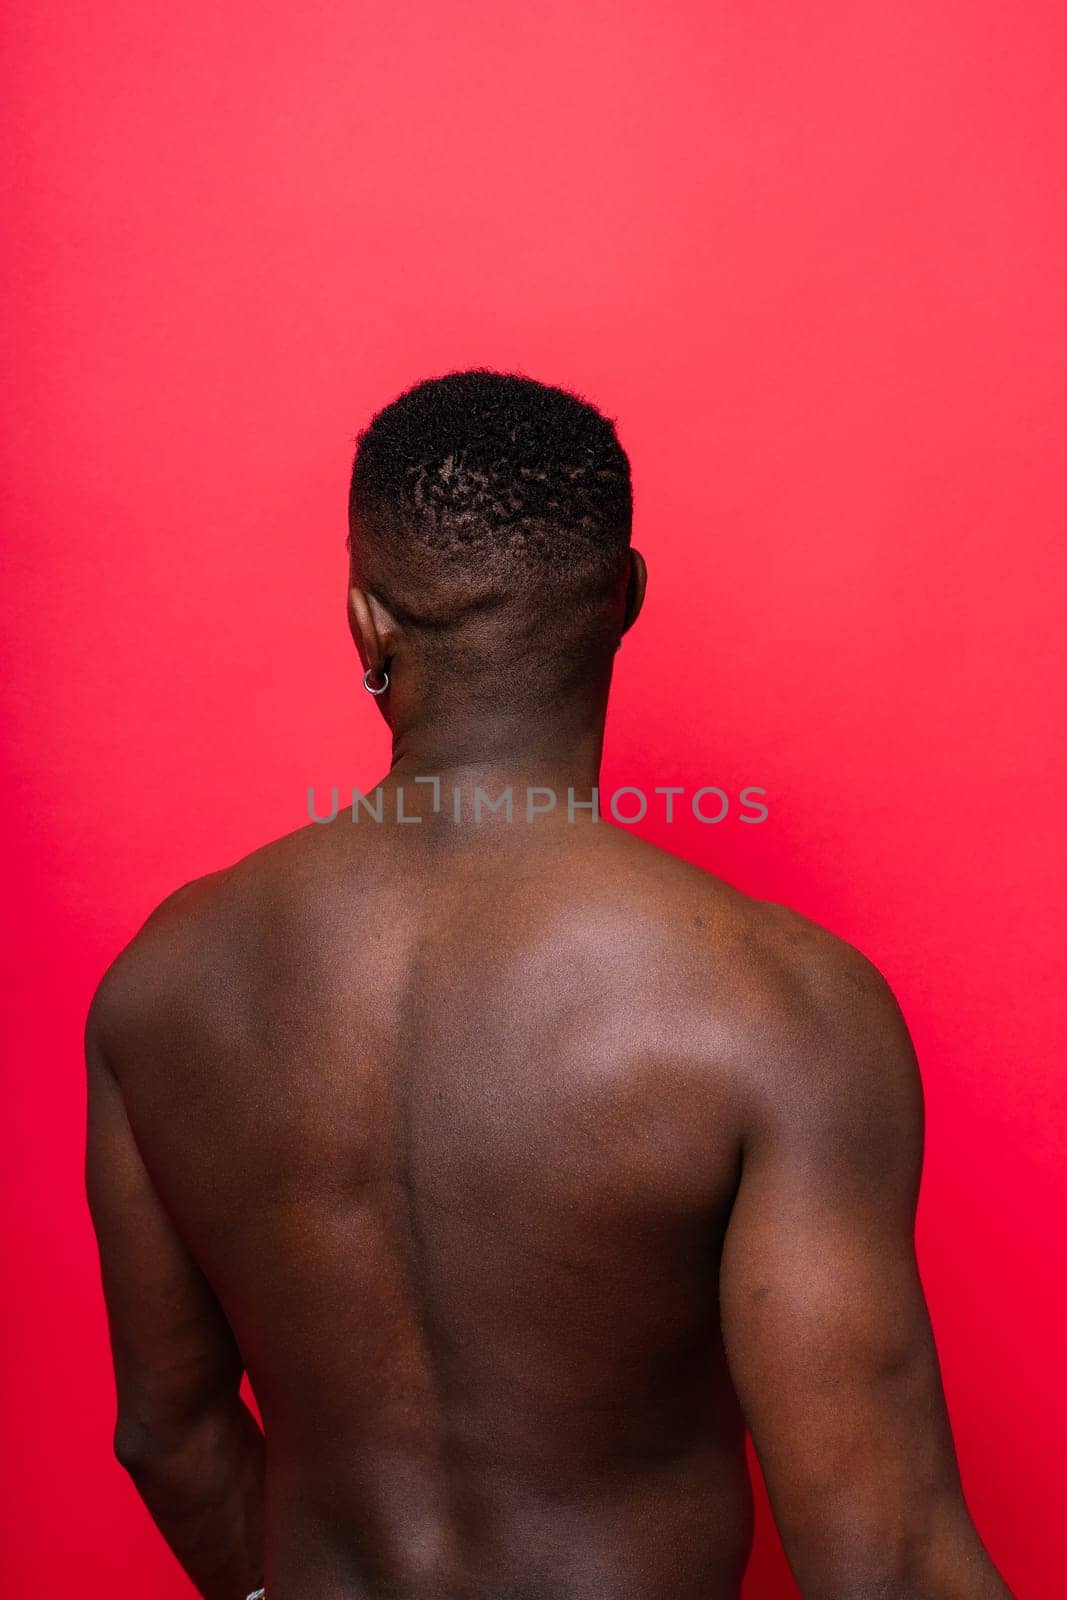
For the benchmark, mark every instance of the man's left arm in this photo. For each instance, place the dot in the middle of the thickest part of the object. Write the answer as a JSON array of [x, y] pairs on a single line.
[[190, 1444]]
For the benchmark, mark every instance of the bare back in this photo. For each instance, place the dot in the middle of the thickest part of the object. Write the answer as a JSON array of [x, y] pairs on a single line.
[[452, 1124]]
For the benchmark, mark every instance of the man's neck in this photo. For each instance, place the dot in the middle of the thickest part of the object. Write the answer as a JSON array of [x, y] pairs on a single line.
[[493, 753], [479, 761]]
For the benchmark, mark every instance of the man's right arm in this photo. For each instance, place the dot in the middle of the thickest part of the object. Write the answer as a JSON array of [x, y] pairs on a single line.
[[824, 1318]]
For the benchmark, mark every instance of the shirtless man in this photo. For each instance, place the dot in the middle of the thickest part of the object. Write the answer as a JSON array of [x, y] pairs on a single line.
[[518, 1163]]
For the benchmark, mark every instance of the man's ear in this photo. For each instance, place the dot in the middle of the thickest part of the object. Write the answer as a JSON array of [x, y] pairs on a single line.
[[635, 590], [373, 630]]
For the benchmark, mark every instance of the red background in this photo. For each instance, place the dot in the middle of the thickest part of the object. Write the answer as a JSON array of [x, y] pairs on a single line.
[[811, 257]]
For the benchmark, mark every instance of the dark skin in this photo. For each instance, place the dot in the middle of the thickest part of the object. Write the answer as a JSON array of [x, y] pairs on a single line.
[[520, 1166]]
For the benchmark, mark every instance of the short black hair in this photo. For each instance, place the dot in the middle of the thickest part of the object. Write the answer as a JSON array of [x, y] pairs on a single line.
[[491, 481]]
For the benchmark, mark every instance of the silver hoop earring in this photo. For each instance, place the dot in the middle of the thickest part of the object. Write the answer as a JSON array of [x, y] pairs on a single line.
[[370, 688]]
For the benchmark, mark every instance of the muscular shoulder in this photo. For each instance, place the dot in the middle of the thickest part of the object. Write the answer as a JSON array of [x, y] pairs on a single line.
[[142, 970], [194, 940], [783, 1032], [790, 993], [828, 989], [824, 1054], [796, 1008]]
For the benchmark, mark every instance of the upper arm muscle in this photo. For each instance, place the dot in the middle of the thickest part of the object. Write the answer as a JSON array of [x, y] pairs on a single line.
[[173, 1350], [823, 1314]]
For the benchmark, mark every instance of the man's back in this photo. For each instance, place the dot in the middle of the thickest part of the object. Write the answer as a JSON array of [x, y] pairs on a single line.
[[451, 1121], [514, 1161]]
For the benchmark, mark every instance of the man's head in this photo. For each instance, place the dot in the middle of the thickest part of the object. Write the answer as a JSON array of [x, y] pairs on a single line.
[[489, 529]]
